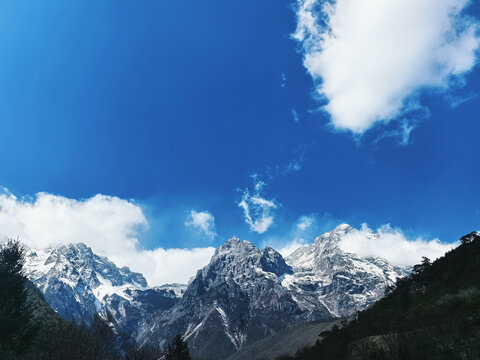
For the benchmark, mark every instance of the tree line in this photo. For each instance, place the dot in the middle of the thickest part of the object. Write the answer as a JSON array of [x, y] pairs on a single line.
[[31, 330], [432, 314]]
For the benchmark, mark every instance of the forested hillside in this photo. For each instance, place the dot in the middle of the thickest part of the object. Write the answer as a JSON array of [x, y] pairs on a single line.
[[31, 330], [432, 314]]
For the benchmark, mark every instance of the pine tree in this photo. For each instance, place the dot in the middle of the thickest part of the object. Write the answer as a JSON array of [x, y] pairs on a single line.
[[177, 349], [17, 327], [419, 269]]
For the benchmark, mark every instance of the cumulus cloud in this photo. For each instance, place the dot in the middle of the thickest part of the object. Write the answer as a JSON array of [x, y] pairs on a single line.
[[371, 59], [204, 221], [109, 225], [161, 266], [392, 245], [259, 213]]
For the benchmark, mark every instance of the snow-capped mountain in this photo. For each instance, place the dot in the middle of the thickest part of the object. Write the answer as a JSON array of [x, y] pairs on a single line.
[[79, 284], [241, 296], [324, 275], [245, 293], [236, 299], [178, 289]]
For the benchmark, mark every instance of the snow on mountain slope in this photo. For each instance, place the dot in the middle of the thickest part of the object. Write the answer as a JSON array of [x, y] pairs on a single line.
[[79, 284], [324, 275], [241, 296], [235, 300], [178, 289]]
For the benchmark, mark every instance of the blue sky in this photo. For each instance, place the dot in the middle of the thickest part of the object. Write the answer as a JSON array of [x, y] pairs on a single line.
[[174, 105]]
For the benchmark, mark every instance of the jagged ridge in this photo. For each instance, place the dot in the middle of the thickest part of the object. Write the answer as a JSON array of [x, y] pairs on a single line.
[[79, 284], [241, 296]]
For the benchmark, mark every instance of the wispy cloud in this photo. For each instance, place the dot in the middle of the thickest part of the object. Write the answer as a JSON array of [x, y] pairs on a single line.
[[402, 132], [302, 232], [203, 221], [457, 100], [284, 81], [296, 117], [294, 165], [304, 222], [370, 60], [109, 225], [259, 212]]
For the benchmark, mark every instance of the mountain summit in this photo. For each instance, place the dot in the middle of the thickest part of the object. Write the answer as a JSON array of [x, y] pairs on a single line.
[[79, 285], [242, 295], [246, 293], [236, 299], [325, 275]]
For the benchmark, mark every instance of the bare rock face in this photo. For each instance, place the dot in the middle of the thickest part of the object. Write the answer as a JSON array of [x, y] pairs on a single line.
[[244, 294], [324, 275], [79, 284], [236, 299]]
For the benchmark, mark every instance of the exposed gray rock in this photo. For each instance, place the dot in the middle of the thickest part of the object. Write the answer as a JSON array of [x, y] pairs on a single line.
[[244, 294], [324, 275], [79, 284], [235, 300]]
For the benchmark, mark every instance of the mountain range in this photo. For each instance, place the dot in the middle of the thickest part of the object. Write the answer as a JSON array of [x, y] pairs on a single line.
[[243, 295]]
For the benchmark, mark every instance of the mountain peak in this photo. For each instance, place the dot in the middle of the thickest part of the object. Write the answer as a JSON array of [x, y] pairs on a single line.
[[332, 238], [77, 262], [342, 228], [235, 244], [353, 282], [239, 259], [80, 246]]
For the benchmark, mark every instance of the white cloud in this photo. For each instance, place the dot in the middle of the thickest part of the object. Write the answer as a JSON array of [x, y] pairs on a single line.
[[259, 213], [203, 221], [392, 245], [109, 225], [305, 227], [161, 266], [371, 59], [304, 222]]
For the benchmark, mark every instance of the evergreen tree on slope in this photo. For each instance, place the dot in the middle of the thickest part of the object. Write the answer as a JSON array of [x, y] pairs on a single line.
[[17, 327], [177, 349]]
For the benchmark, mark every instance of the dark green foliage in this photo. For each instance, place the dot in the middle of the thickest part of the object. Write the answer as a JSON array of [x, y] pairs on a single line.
[[177, 349], [31, 330], [146, 352], [60, 339], [432, 314], [420, 268], [17, 327]]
